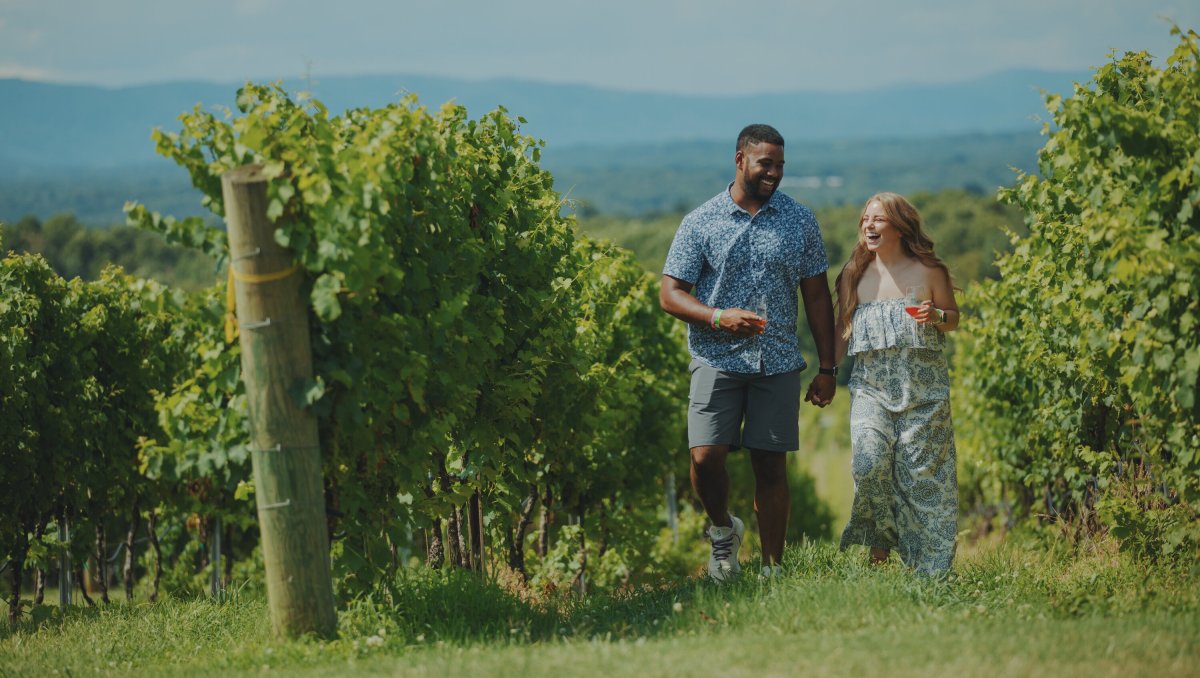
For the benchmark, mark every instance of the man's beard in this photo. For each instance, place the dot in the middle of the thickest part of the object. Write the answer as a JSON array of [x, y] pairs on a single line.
[[754, 190]]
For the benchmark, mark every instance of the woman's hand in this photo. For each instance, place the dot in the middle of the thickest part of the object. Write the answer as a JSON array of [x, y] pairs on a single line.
[[927, 314]]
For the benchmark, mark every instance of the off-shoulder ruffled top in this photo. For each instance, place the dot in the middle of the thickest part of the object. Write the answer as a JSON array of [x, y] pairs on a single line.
[[884, 324]]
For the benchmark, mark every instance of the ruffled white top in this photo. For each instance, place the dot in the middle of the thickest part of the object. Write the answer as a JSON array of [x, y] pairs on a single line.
[[885, 324]]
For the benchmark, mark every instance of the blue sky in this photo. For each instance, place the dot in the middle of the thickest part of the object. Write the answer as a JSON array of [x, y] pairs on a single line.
[[679, 46]]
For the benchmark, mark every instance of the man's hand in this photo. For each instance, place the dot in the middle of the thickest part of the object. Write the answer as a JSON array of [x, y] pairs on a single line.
[[675, 297], [742, 322], [818, 306], [821, 390]]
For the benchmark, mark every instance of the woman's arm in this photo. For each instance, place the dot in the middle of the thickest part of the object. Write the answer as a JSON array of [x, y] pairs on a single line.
[[943, 298]]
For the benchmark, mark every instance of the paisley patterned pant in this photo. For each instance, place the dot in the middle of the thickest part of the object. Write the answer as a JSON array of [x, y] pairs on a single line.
[[905, 480]]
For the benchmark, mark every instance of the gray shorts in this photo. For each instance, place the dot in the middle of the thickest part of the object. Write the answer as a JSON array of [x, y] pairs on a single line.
[[755, 411]]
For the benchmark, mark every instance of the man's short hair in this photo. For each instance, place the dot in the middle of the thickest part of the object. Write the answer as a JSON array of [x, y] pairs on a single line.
[[758, 134]]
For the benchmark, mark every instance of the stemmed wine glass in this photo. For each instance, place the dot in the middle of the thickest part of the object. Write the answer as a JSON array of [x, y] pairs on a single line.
[[760, 309], [914, 296]]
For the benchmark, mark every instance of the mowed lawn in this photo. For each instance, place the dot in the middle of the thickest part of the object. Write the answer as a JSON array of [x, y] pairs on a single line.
[[1027, 606]]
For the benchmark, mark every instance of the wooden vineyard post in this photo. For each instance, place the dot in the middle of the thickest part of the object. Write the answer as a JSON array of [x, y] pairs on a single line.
[[276, 362], [64, 564]]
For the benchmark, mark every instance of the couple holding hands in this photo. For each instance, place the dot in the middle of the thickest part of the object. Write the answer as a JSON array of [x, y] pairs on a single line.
[[732, 273]]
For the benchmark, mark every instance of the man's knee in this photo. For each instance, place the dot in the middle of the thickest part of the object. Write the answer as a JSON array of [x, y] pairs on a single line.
[[770, 468], [709, 456]]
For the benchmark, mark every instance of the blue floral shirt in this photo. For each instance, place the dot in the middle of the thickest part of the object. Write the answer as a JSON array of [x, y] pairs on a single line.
[[733, 259]]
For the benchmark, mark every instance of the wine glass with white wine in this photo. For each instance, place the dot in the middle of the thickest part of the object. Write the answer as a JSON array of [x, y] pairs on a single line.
[[760, 309]]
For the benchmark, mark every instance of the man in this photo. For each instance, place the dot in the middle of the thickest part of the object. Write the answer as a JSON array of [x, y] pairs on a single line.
[[749, 247]]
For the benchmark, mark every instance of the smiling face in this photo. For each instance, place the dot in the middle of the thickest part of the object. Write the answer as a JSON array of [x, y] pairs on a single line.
[[759, 170], [876, 230]]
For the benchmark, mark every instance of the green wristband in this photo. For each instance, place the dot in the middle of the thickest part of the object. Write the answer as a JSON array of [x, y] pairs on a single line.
[[716, 319]]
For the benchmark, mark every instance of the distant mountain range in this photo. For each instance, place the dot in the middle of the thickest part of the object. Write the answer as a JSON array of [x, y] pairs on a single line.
[[46, 126], [86, 150]]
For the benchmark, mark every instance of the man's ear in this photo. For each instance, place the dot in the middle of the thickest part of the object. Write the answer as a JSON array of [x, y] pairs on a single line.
[[739, 158]]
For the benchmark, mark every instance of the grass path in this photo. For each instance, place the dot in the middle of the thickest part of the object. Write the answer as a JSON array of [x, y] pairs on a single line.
[[1084, 647], [1025, 607]]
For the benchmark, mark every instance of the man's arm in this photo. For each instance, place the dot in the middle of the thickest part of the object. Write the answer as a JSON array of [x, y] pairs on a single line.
[[840, 343], [675, 297], [818, 308]]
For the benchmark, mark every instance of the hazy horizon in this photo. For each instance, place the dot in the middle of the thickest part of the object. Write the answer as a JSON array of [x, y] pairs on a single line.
[[701, 47], [533, 81]]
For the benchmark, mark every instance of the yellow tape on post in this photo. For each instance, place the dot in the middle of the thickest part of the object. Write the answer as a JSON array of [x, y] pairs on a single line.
[[231, 294]]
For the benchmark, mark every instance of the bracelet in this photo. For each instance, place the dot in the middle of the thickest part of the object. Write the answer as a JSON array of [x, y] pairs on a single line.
[[716, 319], [941, 317]]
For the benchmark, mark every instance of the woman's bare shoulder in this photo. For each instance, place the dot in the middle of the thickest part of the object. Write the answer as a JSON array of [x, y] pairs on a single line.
[[932, 273]]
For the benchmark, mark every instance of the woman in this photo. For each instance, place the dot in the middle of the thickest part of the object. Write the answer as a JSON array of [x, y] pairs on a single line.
[[905, 483]]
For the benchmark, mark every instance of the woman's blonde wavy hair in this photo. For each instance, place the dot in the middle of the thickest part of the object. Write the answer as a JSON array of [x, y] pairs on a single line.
[[907, 220]]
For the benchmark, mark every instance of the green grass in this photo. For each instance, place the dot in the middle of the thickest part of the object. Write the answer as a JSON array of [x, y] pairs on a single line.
[[825, 454], [1029, 606]]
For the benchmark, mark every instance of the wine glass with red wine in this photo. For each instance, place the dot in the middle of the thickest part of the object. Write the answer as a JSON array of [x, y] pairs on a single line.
[[913, 298]]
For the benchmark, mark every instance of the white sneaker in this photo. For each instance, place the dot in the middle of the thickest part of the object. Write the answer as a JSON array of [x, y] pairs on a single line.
[[723, 563], [770, 572]]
